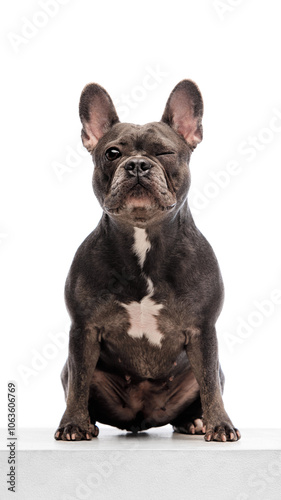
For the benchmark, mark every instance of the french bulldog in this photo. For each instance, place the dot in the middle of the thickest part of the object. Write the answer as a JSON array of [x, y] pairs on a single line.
[[144, 290]]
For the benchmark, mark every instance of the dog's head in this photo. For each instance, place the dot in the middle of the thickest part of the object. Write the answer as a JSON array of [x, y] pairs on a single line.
[[141, 172]]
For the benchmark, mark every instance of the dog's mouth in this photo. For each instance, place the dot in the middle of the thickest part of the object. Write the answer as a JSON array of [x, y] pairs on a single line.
[[139, 199], [116, 211]]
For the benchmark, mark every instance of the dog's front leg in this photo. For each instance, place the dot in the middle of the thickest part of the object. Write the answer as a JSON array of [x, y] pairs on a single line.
[[202, 351], [84, 351]]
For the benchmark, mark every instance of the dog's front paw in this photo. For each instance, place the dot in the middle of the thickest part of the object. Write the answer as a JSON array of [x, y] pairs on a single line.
[[74, 432], [222, 432]]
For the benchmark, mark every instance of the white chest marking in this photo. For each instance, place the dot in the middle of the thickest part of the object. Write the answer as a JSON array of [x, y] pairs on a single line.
[[143, 317], [143, 314], [141, 244]]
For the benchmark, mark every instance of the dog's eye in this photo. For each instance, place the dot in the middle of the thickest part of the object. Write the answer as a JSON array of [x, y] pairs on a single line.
[[112, 154], [165, 153]]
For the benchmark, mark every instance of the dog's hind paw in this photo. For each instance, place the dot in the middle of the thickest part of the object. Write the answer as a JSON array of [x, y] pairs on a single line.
[[195, 426]]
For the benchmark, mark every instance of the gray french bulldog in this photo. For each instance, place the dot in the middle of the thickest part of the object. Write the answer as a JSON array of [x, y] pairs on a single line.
[[144, 290]]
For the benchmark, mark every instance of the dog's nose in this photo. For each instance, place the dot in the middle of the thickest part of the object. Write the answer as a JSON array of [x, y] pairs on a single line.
[[138, 166]]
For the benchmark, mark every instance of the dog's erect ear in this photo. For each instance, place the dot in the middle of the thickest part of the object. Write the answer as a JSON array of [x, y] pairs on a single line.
[[184, 111], [97, 114]]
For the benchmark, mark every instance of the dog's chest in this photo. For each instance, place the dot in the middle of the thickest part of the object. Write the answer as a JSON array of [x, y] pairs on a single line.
[[144, 336], [143, 315], [143, 318]]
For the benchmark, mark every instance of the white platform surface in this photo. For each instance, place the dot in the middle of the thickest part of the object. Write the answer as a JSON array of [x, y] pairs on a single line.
[[156, 464]]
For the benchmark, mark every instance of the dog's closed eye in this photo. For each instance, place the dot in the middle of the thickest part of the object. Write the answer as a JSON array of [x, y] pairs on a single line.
[[165, 153]]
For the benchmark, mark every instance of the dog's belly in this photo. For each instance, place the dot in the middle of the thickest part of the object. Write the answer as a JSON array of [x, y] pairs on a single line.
[[144, 340], [138, 404]]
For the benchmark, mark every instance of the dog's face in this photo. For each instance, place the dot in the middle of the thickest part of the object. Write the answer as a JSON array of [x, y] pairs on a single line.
[[141, 173]]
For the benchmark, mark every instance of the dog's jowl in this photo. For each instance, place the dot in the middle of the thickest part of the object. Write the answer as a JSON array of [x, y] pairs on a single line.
[[144, 290]]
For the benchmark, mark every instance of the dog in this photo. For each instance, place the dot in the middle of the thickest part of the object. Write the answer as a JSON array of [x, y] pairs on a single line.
[[144, 290]]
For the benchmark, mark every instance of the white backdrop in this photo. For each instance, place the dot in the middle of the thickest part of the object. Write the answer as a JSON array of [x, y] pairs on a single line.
[[51, 49]]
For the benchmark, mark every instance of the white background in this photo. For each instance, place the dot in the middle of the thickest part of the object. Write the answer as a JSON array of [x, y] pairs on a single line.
[[233, 53]]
